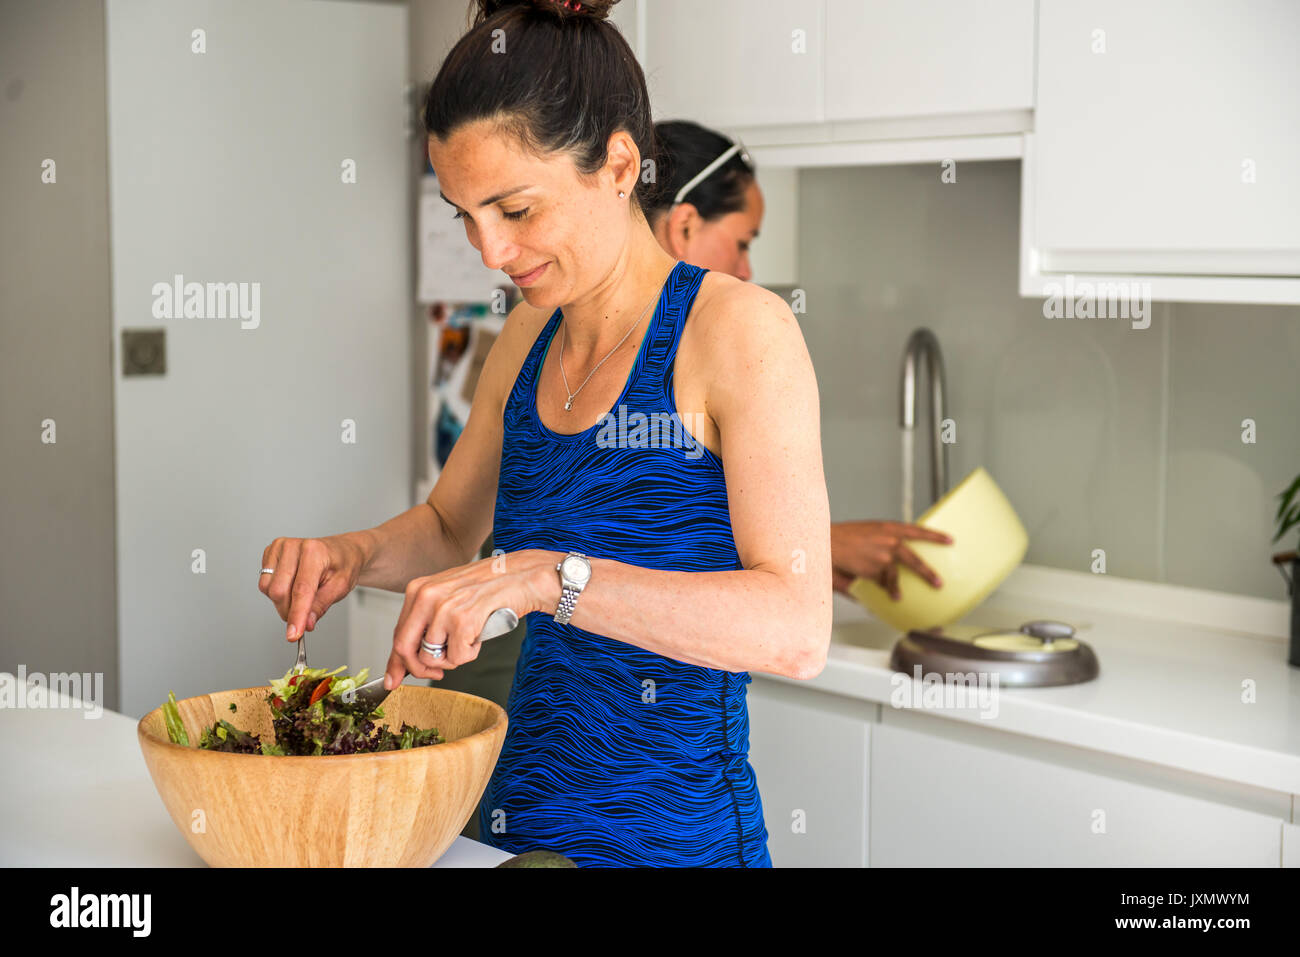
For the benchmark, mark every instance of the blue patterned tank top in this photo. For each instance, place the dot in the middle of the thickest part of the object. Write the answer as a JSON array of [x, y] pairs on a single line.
[[615, 755]]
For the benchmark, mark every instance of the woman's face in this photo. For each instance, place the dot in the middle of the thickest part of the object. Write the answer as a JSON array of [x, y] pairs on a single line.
[[721, 245], [522, 212]]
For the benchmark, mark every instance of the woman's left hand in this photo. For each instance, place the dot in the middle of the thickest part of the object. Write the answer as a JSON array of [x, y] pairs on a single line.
[[452, 606], [874, 550]]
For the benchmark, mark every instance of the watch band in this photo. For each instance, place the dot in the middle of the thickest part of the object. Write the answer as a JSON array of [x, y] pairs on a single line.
[[564, 611], [569, 591]]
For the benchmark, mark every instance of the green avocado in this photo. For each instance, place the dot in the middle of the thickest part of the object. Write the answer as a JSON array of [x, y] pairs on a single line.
[[538, 859]]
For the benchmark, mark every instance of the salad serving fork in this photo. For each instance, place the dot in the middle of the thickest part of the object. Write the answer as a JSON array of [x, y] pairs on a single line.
[[301, 664]]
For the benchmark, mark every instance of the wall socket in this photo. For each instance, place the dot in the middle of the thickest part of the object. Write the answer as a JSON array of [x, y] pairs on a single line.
[[144, 352]]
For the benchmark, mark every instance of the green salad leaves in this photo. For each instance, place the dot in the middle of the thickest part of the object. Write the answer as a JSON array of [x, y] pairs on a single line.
[[310, 715]]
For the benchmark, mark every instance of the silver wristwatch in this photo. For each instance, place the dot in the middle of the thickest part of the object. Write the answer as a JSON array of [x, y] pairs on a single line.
[[575, 572]]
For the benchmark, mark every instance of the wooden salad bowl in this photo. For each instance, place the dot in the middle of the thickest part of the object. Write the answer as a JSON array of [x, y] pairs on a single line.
[[390, 809]]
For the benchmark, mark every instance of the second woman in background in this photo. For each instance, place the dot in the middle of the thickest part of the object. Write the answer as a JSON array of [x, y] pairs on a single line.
[[709, 212]]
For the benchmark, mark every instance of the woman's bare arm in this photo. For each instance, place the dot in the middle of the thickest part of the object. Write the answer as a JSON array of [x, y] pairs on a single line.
[[775, 615]]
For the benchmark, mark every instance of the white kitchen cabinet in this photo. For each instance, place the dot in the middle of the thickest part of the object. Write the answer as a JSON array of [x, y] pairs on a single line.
[[838, 82], [930, 58], [945, 793], [1166, 139], [734, 63], [810, 752], [817, 71]]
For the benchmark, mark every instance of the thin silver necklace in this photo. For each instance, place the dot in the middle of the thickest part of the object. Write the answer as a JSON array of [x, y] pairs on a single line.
[[564, 323]]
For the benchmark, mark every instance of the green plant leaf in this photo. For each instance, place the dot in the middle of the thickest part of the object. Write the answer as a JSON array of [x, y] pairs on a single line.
[[1291, 520], [1288, 496]]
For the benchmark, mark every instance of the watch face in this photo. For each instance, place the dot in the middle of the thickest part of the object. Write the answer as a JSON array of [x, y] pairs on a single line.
[[576, 569]]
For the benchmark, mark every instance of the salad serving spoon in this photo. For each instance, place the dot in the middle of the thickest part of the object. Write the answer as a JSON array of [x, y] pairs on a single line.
[[372, 693]]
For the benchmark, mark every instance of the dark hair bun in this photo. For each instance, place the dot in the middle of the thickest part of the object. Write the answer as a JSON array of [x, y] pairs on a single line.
[[570, 82], [564, 9]]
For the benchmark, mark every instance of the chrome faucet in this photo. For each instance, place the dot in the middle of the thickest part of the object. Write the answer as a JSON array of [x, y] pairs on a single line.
[[923, 343]]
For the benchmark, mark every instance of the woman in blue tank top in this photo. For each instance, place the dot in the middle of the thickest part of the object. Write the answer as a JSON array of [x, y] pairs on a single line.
[[628, 731], [646, 422], [614, 753]]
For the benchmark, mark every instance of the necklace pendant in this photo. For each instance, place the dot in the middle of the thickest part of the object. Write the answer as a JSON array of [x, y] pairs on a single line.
[[566, 405]]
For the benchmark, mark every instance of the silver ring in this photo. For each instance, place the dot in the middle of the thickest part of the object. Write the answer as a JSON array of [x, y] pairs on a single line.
[[268, 571], [435, 651]]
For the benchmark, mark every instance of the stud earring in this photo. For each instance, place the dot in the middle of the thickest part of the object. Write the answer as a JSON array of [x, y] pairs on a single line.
[[621, 194]]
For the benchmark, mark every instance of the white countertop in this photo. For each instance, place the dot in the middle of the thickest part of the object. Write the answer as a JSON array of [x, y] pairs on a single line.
[[1174, 663], [77, 794]]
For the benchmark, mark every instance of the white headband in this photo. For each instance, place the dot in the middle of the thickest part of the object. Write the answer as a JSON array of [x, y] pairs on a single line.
[[703, 174]]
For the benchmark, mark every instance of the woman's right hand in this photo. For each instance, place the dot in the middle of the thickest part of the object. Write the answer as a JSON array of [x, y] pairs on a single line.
[[310, 575]]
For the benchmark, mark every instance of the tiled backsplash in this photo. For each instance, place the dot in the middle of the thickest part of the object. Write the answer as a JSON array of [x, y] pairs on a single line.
[[1102, 435]]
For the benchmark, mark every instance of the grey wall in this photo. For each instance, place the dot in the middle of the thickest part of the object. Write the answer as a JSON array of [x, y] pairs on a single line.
[[57, 583], [1103, 436]]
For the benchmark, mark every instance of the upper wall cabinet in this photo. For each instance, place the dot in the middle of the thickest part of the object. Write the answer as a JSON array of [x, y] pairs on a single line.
[[928, 58], [1166, 147], [833, 71], [734, 63], [838, 82]]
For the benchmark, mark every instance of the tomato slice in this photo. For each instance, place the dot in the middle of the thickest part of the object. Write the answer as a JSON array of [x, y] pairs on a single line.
[[321, 690]]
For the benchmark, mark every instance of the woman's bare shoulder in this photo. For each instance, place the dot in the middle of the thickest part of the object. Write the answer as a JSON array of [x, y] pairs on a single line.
[[740, 339], [727, 308]]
